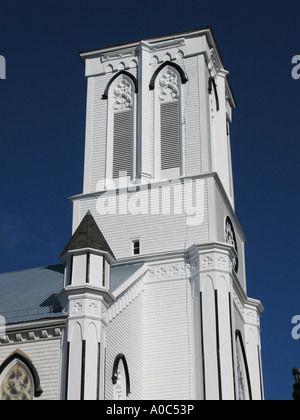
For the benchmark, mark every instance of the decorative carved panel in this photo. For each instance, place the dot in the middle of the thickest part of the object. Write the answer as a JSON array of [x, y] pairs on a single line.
[[122, 95], [168, 83]]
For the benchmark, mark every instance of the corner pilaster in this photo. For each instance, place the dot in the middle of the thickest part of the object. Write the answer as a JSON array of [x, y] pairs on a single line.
[[213, 323]]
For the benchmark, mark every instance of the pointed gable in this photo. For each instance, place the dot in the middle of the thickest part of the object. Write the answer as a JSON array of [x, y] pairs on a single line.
[[88, 235]]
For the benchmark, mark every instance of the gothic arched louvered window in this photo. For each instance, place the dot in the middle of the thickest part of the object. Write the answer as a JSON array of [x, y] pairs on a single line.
[[121, 127], [168, 121]]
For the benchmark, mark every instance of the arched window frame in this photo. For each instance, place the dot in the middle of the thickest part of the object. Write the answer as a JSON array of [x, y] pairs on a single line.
[[120, 378], [242, 371], [230, 238], [172, 85], [121, 96], [27, 366]]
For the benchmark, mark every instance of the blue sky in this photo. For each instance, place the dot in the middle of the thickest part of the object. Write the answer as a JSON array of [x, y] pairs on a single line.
[[42, 117]]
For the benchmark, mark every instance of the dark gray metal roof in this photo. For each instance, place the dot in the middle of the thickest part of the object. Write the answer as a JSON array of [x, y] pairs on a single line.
[[88, 235], [30, 295]]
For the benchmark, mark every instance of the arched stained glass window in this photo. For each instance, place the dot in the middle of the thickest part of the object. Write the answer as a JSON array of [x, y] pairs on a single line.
[[16, 382], [19, 380]]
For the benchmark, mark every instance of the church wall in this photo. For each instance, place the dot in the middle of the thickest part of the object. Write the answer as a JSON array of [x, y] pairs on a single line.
[[99, 128], [191, 118], [45, 356], [125, 335], [168, 365], [157, 232], [222, 210], [247, 314]]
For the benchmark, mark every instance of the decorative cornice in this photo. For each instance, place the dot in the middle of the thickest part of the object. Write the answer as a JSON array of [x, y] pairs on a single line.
[[249, 309], [166, 272], [126, 52], [17, 334], [85, 291]]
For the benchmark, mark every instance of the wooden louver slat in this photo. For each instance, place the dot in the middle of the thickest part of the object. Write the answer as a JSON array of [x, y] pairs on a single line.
[[122, 143], [169, 119]]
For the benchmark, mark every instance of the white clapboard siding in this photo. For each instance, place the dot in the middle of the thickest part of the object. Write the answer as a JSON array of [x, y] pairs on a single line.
[[46, 358], [122, 143], [167, 340], [125, 335], [169, 117], [157, 232]]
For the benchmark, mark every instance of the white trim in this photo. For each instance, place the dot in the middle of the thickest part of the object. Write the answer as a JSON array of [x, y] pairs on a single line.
[[88, 135], [124, 299]]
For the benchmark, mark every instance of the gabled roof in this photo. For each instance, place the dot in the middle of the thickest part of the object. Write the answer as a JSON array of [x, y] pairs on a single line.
[[88, 235]]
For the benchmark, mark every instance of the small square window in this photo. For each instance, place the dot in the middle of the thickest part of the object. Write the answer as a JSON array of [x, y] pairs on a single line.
[[136, 247]]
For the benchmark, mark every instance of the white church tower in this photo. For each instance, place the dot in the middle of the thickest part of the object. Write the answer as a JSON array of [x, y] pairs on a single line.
[[155, 271]]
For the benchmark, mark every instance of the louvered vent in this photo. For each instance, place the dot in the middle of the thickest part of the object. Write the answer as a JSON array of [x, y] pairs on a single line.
[[122, 143], [169, 114]]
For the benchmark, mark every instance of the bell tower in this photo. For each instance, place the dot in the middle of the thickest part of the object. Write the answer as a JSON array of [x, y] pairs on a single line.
[[158, 183]]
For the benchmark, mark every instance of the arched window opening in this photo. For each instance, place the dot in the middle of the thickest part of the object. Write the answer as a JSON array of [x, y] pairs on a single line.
[[231, 240], [121, 126], [18, 380], [168, 131], [244, 386], [120, 378], [175, 66]]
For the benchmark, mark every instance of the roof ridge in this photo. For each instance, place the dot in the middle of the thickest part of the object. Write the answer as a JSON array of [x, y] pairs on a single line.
[[30, 269]]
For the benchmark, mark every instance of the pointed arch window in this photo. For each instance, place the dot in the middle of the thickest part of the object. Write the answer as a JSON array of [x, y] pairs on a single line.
[[244, 385], [120, 378], [121, 94], [167, 82], [18, 380]]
